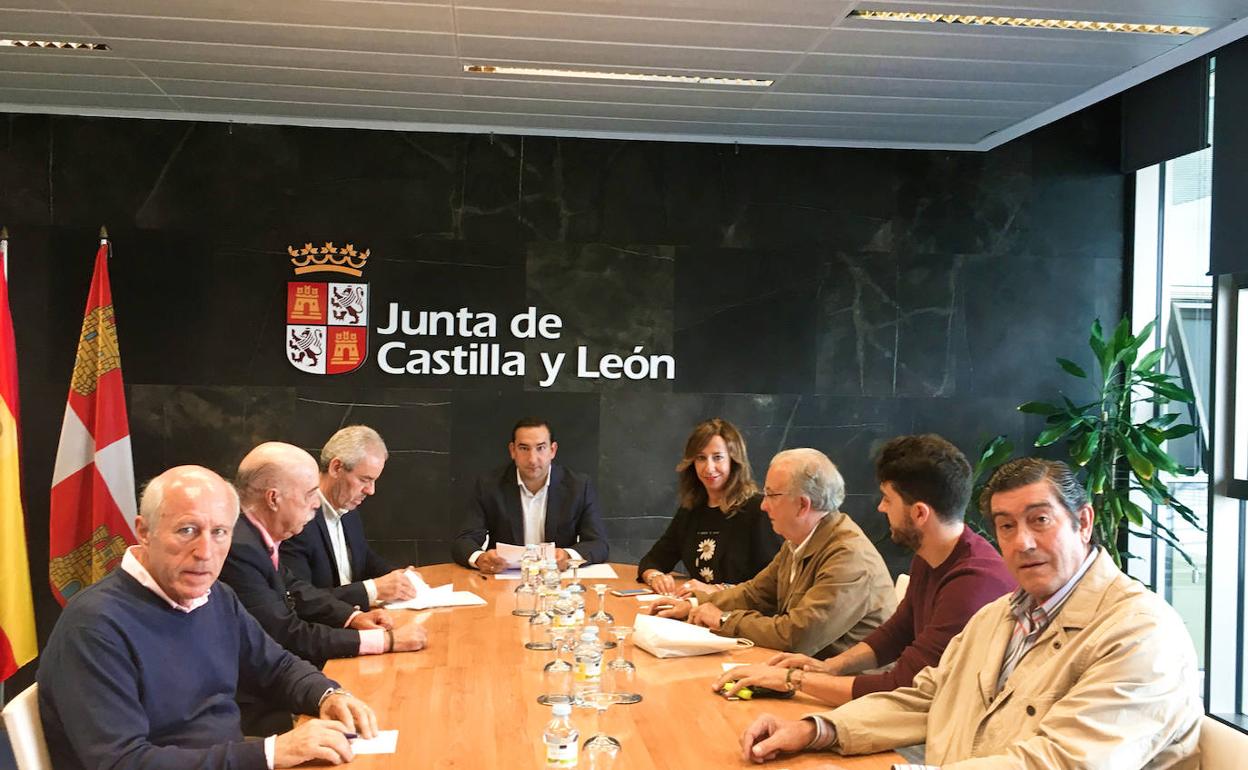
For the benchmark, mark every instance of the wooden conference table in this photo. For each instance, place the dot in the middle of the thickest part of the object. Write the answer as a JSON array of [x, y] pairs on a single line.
[[469, 700]]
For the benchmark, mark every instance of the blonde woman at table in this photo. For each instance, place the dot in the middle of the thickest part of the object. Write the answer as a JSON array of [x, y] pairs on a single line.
[[719, 531]]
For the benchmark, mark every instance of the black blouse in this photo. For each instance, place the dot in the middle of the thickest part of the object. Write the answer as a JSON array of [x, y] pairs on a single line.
[[715, 548]]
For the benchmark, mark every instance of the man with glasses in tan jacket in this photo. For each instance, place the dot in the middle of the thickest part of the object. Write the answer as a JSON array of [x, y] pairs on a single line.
[[826, 590]]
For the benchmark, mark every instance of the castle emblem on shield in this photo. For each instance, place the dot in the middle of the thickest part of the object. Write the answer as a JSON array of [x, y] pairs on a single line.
[[327, 321]]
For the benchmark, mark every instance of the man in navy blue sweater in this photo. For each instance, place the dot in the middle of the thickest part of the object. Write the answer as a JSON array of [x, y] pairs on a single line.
[[142, 667]]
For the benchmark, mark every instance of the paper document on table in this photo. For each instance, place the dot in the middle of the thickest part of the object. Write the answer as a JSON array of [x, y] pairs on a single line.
[[442, 596], [512, 554], [416, 580], [386, 742], [591, 572]]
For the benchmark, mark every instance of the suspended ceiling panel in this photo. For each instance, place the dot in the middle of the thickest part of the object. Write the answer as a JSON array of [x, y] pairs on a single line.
[[838, 80]]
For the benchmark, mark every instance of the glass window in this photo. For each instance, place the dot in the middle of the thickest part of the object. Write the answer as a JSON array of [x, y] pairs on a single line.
[[1171, 285]]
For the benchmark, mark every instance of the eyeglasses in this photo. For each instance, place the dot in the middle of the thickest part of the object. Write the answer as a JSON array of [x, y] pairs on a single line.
[[768, 495]]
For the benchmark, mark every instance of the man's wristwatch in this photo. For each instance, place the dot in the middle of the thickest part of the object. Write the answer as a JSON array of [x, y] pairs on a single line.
[[724, 617]]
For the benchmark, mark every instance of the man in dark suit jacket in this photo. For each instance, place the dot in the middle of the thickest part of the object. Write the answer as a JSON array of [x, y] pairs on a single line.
[[531, 500], [332, 551], [277, 486]]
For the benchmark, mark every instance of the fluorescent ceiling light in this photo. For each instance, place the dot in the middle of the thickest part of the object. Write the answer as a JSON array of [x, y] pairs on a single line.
[[1015, 21], [66, 44], [701, 80]]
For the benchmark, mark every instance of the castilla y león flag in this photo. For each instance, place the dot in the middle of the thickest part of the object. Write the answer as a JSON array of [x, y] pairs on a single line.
[[93, 505], [17, 614]]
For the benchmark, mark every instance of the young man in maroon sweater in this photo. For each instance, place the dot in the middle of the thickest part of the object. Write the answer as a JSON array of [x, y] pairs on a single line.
[[925, 485]]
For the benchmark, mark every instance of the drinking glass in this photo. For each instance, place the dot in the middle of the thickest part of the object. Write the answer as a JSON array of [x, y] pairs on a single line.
[[538, 623], [623, 671], [601, 617], [600, 742], [558, 640], [526, 598], [557, 674], [576, 586]]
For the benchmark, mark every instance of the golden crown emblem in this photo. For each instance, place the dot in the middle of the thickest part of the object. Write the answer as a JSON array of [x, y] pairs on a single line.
[[328, 258]]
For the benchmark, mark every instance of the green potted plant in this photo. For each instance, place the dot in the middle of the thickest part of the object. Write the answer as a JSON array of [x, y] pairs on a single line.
[[1117, 454]]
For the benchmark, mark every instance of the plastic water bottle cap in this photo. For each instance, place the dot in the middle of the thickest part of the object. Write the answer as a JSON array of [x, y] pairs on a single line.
[[561, 709]]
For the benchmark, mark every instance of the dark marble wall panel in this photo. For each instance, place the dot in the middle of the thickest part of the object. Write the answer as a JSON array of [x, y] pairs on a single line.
[[745, 321], [610, 299], [857, 325], [815, 297], [213, 426], [24, 161], [1023, 311]]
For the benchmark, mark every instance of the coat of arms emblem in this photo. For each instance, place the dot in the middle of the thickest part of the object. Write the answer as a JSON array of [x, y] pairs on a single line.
[[327, 321]]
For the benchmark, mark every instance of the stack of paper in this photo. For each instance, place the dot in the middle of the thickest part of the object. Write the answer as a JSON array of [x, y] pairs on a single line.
[[386, 742], [441, 596]]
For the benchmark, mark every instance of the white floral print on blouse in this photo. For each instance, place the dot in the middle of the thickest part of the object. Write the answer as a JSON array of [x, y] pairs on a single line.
[[706, 549]]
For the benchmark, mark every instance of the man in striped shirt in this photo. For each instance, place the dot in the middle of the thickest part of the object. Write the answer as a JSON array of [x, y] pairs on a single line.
[[1082, 667]]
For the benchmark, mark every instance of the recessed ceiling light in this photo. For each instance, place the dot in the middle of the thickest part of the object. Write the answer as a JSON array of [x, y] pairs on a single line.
[[63, 44], [702, 80], [1015, 21]]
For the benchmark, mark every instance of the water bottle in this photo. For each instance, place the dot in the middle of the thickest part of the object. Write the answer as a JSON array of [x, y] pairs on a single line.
[[530, 556], [526, 592], [550, 576], [587, 671], [561, 738], [564, 610], [578, 613]]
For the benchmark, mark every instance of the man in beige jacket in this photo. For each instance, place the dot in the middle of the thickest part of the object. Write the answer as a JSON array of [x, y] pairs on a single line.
[[826, 590], [1080, 668]]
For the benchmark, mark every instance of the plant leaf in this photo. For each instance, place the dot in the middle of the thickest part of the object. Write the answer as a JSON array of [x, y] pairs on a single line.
[[1145, 446], [1171, 391], [1144, 334], [1149, 361], [1139, 463], [1083, 450], [994, 452], [1038, 407], [1179, 431], [1051, 435], [1162, 420], [1134, 513], [1071, 367], [1122, 336]]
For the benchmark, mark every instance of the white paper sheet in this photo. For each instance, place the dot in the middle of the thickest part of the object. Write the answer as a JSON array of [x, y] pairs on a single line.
[[512, 554], [386, 742], [415, 579], [588, 572], [442, 596]]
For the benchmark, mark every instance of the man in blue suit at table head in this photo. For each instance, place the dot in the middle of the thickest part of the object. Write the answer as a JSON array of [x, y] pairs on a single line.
[[531, 500], [332, 551]]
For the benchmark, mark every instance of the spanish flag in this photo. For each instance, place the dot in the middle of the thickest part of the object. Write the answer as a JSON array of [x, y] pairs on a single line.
[[17, 613], [92, 502]]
